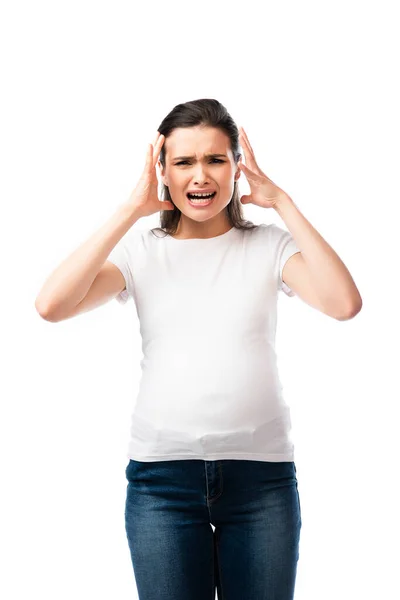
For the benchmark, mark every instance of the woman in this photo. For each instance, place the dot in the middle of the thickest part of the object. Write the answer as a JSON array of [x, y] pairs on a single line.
[[210, 443]]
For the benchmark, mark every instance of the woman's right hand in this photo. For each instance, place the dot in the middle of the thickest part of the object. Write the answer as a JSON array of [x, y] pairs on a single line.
[[144, 199]]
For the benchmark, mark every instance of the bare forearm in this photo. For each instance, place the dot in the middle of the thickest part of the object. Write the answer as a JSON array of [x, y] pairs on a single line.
[[330, 275], [71, 280]]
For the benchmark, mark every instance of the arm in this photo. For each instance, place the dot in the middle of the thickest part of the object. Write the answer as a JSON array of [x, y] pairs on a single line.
[[69, 283], [326, 273]]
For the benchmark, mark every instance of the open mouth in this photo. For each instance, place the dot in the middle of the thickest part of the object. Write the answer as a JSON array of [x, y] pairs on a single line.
[[200, 200]]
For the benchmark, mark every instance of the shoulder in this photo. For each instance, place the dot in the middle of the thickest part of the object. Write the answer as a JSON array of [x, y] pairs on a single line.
[[269, 232], [275, 235], [270, 229]]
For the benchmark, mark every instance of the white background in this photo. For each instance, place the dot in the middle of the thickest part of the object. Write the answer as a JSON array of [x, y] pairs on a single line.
[[84, 87]]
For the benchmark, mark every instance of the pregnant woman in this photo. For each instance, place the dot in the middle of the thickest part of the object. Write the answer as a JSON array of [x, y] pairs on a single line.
[[210, 443]]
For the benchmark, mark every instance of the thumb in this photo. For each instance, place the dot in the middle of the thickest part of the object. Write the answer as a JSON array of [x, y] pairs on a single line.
[[245, 199], [166, 205]]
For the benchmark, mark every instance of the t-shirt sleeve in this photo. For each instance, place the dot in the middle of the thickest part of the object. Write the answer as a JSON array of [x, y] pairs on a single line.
[[123, 256], [285, 248]]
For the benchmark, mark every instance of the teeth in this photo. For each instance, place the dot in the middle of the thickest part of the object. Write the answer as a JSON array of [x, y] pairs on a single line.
[[193, 201], [205, 195]]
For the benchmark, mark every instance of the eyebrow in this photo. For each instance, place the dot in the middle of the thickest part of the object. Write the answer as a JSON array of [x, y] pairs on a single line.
[[206, 155]]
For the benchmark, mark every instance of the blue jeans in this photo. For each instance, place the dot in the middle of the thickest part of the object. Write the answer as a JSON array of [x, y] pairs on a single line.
[[253, 552]]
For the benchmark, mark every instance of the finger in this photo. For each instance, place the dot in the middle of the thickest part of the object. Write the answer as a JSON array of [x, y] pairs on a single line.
[[248, 152], [242, 142], [154, 144], [153, 151], [250, 175], [244, 135], [157, 149], [249, 155], [156, 138], [149, 154]]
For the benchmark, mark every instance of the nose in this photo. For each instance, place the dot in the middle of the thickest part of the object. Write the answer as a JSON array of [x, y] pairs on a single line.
[[200, 176]]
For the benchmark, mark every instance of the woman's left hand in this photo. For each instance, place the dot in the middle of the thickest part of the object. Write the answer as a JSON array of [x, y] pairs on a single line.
[[264, 192]]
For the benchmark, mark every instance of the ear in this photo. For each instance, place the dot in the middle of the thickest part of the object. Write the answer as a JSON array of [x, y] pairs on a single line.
[[238, 171]]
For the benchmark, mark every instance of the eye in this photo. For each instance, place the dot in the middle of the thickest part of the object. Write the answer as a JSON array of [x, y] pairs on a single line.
[[212, 159]]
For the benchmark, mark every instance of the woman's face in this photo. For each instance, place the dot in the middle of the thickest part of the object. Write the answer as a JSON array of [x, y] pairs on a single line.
[[189, 166]]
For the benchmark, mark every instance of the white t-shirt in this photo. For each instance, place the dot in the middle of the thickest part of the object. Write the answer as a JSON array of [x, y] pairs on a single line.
[[207, 309]]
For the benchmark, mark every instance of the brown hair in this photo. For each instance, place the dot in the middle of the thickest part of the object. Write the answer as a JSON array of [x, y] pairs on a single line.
[[210, 113]]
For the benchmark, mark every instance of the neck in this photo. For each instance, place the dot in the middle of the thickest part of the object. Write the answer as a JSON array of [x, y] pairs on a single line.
[[187, 228]]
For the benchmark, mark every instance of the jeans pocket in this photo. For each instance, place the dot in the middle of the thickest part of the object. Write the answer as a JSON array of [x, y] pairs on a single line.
[[298, 499]]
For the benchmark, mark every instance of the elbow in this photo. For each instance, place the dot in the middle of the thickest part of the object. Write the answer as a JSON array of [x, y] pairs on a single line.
[[350, 312], [44, 312]]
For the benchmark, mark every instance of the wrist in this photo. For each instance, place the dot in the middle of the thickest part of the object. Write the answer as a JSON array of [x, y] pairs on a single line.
[[128, 212], [282, 201]]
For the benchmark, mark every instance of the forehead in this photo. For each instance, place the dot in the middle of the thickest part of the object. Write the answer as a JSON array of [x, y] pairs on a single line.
[[197, 141]]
